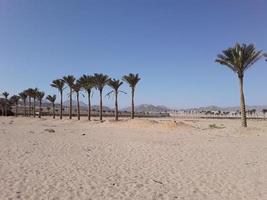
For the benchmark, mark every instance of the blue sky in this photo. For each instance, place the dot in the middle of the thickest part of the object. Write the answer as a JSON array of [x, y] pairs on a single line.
[[171, 44]]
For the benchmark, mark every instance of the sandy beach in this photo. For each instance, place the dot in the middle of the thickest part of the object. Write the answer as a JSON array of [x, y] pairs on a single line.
[[132, 159]]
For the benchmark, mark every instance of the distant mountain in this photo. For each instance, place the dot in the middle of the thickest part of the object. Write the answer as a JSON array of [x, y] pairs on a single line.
[[226, 109], [84, 106], [105, 108], [147, 108], [74, 103]]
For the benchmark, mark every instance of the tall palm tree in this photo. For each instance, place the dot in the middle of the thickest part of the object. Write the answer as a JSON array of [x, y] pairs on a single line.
[[240, 58], [115, 85], [34, 96], [15, 100], [132, 80], [101, 81], [59, 84], [87, 83], [2, 105], [29, 93], [264, 111], [77, 88], [6, 94], [40, 95], [23, 96], [52, 99], [69, 80]]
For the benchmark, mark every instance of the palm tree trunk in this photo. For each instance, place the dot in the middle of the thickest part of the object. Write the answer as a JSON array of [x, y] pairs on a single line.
[[40, 109], [101, 106], [24, 102], [5, 110], [242, 103], [61, 104], [89, 104], [132, 114], [6, 107], [54, 114], [70, 113], [30, 106], [78, 106], [116, 106], [33, 107], [16, 112]]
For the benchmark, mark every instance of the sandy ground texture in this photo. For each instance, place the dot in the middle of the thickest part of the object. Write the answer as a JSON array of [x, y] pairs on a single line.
[[132, 159]]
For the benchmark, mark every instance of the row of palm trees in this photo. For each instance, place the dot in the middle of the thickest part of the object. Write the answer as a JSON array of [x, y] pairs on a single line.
[[239, 59], [88, 83], [85, 83], [31, 94]]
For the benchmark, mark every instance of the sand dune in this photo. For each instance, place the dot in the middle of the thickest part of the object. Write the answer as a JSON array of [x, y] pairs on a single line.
[[132, 159]]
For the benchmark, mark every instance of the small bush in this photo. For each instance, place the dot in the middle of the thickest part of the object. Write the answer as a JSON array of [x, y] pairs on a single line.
[[214, 126]]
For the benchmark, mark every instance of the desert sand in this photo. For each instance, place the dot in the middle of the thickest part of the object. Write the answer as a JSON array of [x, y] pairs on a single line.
[[132, 159]]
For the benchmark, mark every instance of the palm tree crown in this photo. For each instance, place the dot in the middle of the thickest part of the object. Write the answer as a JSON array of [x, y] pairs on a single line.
[[100, 80], [5, 94], [29, 92], [59, 84], [76, 87], [40, 95], [23, 95], [131, 79], [15, 99], [115, 84], [239, 58], [69, 80], [51, 98], [87, 82]]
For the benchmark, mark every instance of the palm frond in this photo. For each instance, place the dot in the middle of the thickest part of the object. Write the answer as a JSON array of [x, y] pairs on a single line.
[[239, 58]]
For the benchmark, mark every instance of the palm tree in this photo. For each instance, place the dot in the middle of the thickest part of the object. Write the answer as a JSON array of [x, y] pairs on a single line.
[[264, 111], [59, 84], [87, 83], [31, 94], [77, 88], [5, 94], [2, 105], [23, 96], [34, 96], [100, 81], [115, 84], [240, 58], [52, 99], [15, 100], [132, 80], [40, 95], [69, 80]]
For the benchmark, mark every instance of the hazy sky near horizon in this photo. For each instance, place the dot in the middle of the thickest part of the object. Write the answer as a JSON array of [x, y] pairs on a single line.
[[171, 44]]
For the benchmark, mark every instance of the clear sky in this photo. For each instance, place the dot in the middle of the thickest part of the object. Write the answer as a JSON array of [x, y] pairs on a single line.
[[172, 45]]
